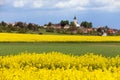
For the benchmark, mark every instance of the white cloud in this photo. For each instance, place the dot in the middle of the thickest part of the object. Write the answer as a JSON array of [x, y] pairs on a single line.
[[1, 2], [72, 4], [81, 8], [19, 3], [116, 4], [107, 5], [102, 5], [37, 4]]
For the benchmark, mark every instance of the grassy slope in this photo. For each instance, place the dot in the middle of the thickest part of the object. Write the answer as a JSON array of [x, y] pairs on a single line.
[[107, 49]]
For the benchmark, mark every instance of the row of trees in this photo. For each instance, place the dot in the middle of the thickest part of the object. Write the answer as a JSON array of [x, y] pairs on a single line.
[[84, 24], [63, 23], [20, 27]]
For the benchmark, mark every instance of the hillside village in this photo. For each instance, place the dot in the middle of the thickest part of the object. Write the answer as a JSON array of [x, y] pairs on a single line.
[[64, 27]]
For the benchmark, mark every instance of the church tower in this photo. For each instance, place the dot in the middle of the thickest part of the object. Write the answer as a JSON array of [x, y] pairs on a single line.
[[75, 21]]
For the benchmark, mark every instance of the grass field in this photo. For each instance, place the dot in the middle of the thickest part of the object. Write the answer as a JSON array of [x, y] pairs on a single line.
[[106, 49]]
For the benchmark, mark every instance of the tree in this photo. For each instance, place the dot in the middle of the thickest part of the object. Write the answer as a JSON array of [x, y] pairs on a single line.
[[86, 24], [49, 29], [32, 26], [0, 29], [72, 24], [22, 30], [64, 22], [4, 24], [21, 24], [100, 30], [90, 25], [72, 27], [106, 28], [10, 28], [21, 27], [50, 24]]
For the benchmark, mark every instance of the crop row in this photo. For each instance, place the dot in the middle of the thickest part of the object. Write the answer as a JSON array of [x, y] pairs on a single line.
[[12, 37], [58, 66]]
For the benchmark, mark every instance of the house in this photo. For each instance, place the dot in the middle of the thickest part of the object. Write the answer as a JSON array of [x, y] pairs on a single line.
[[104, 34], [112, 31], [66, 27], [86, 30], [94, 29], [44, 27], [56, 26], [13, 24]]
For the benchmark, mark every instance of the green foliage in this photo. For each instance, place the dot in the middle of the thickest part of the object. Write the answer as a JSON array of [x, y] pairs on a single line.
[[72, 24], [22, 27], [0, 29], [79, 31], [3, 23], [50, 24], [22, 30], [19, 27], [73, 28], [86, 24], [64, 22], [49, 29], [32, 26], [21, 24], [58, 30], [64, 31], [8, 29]]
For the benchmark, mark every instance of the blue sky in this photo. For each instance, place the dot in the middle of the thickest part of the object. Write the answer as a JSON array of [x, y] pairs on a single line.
[[99, 12]]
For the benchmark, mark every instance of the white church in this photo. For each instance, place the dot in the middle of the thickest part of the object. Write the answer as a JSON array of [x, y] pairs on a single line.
[[76, 22]]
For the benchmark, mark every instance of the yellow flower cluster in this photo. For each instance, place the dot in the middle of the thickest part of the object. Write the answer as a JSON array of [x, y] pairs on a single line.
[[14, 37], [58, 66]]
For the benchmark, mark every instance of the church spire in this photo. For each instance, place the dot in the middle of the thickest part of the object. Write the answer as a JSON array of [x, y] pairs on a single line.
[[75, 17], [75, 21]]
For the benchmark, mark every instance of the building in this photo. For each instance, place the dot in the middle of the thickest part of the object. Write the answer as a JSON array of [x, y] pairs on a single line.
[[76, 22]]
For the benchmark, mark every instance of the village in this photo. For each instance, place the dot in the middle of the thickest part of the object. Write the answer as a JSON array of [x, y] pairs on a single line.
[[63, 27], [85, 28]]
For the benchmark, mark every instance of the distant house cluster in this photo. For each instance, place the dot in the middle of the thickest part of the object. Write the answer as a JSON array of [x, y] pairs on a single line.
[[64, 27], [81, 29]]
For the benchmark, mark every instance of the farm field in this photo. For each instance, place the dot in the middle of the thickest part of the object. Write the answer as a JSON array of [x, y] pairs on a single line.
[[58, 57], [58, 66], [106, 49], [14, 37]]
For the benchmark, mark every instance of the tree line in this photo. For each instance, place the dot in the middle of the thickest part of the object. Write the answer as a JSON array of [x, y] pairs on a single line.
[[20, 27], [84, 24]]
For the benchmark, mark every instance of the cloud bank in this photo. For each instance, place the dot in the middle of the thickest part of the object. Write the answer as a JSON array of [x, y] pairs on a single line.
[[1, 2], [106, 5]]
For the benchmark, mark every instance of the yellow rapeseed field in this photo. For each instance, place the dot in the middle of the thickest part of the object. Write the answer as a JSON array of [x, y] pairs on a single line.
[[14, 37], [58, 66]]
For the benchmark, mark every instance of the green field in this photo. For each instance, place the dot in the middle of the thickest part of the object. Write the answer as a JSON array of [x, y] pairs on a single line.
[[106, 49]]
